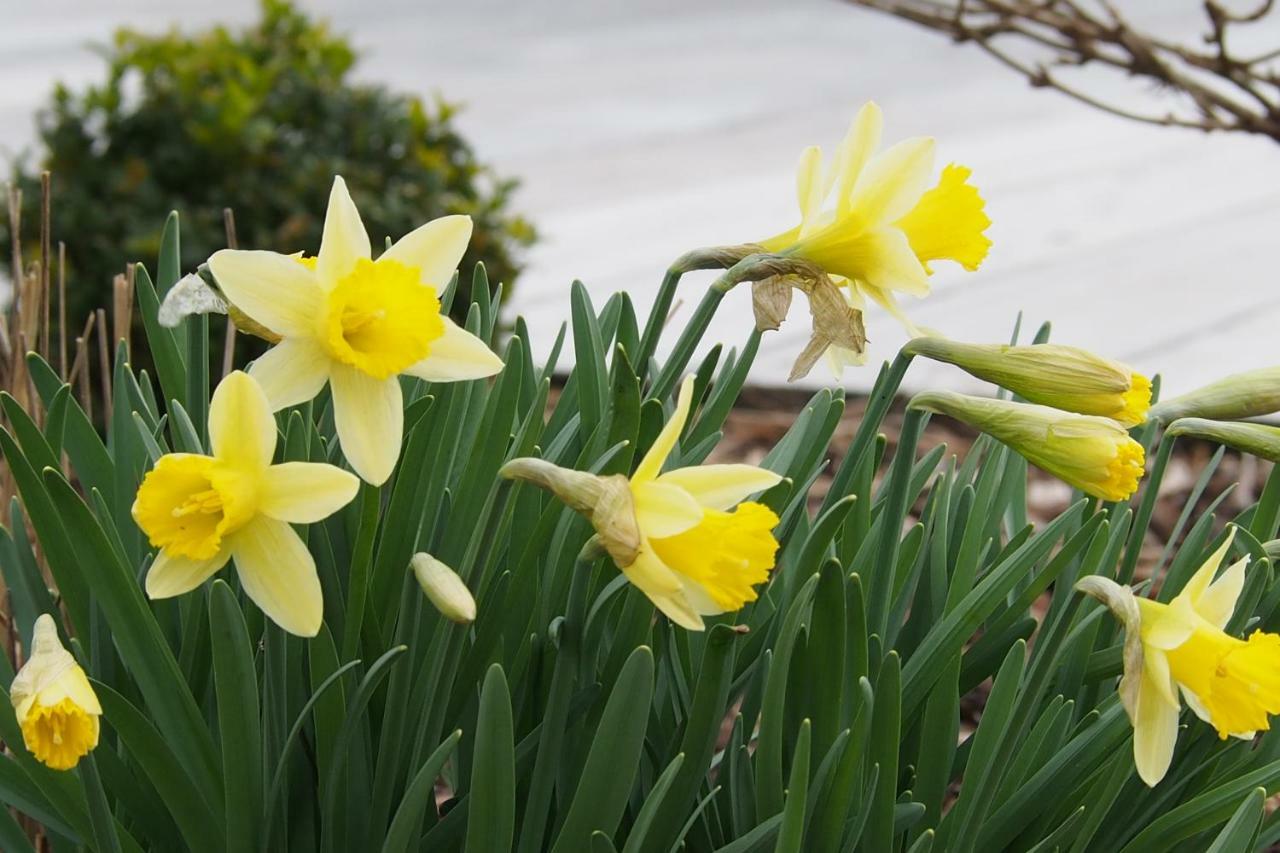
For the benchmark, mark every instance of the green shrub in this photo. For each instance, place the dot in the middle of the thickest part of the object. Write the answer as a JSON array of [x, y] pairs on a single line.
[[258, 120]]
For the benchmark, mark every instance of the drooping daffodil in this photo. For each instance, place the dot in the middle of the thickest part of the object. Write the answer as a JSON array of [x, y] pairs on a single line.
[[688, 538], [885, 225], [357, 324], [1094, 454], [1181, 648], [54, 702], [201, 511]]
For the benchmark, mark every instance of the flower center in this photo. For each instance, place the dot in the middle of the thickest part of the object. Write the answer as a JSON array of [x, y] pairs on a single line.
[[187, 504], [726, 554], [60, 734], [381, 319]]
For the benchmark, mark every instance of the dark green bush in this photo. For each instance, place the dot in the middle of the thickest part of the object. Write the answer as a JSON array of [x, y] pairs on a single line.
[[258, 120]]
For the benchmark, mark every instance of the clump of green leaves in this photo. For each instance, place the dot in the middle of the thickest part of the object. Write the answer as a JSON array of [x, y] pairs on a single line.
[[256, 120]]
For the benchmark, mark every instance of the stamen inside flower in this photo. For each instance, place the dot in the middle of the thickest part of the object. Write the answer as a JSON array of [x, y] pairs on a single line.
[[381, 318], [726, 554], [187, 504], [60, 734], [1237, 681]]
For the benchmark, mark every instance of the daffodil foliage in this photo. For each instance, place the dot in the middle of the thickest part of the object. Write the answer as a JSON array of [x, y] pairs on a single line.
[[300, 608]]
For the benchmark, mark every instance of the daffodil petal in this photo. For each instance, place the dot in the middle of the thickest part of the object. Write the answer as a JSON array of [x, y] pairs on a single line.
[[291, 372], [697, 597], [1155, 667], [857, 148], [720, 486], [242, 431], [172, 575], [279, 574], [1197, 707], [885, 262], [678, 610], [1166, 627], [1219, 601], [886, 300], [664, 510], [809, 189], [274, 289], [344, 240], [456, 356], [435, 248], [305, 492], [651, 465], [369, 416], [651, 575], [1203, 578], [1155, 732], [893, 181]]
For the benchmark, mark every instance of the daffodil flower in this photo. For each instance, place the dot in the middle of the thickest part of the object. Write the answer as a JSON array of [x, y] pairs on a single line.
[[1180, 648], [885, 225], [357, 324], [202, 511], [1064, 377], [687, 538], [1094, 454], [54, 702]]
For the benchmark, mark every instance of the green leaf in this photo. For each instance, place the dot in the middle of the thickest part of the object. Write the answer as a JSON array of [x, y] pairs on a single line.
[[420, 794], [791, 833], [491, 820], [104, 827], [236, 684], [1241, 832]]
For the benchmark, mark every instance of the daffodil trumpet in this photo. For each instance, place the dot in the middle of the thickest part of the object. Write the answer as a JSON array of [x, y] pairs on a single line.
[[1260, 440], [1063, 377], [357, 324], [1180, 649], [870, 220], [687, 538], [1094, 454], [53, 701], [203, 511]]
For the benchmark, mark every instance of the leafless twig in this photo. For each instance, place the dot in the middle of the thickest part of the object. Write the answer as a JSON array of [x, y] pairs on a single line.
[[1209, 87]]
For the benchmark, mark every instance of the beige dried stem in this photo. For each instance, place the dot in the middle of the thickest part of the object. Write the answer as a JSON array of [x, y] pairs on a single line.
[[1210, 86]]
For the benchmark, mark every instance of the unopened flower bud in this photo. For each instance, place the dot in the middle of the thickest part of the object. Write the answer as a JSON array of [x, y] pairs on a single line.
[[1064, 377], [444, 588], [1257, 439], [1241, 395]]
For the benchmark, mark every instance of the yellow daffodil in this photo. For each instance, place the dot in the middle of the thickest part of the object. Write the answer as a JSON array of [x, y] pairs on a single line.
[[1094, 454], [53, 701], [357, 324], [1181, 648], [687, 538], [202, 511], [1064, 377], [885, 225]]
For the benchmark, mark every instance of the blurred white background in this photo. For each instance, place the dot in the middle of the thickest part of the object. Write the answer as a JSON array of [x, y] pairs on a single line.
[[641, 129]]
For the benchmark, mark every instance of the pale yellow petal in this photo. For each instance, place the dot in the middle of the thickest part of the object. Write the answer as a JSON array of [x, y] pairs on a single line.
[[1155, 732], [678, 610], [172, 575], [697, 597], [858, 147], [273, 289], [434, 248], [651, 465], [305, 492], [1219, 601], [291, 372], [1203, 577], [721, 486], [1155, 668], [664, 510], [456, 356], [651, 575], [809, 189], [242, 431], [886, 300], [344, 240], [884, 261], [279, 574], [369, 416], [1166, 626], [1197, 707], [892, 182]]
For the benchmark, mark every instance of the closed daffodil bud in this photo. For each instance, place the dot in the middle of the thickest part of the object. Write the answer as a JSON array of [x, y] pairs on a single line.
[[1242, 395], [1094, 454], [53, 701], [688, 538], [1181, 649], [1257, 439], [444, 588], [1063, 377]]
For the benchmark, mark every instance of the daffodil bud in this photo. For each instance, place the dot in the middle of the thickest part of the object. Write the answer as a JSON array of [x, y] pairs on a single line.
[[605, 501], [444, 588], [1064, 377], [53, 701], [1257, 439], [1241, 395], [1094, 454]]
